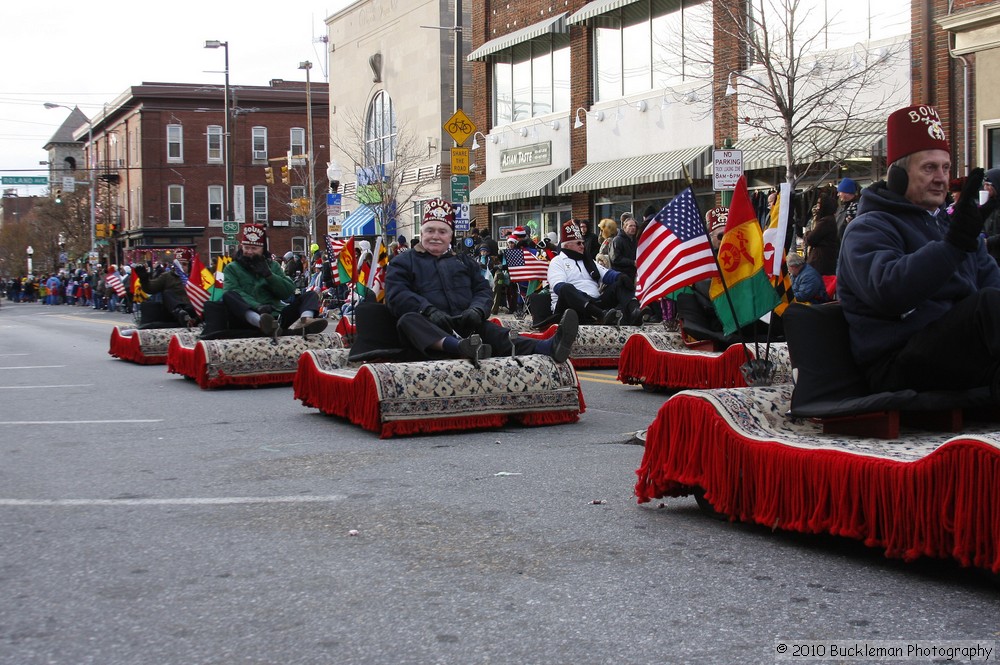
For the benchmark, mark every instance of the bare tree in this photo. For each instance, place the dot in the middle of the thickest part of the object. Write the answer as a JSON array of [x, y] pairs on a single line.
[[788, 90], [393, 171]]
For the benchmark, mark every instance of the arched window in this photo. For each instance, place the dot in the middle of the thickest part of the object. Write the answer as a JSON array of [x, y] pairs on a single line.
[[70, 163], [380, 131]]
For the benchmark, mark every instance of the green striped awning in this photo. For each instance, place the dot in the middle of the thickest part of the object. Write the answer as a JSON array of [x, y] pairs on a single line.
[[551, 25], [521, 186], [814, 144], [658, 167], [596, 8]]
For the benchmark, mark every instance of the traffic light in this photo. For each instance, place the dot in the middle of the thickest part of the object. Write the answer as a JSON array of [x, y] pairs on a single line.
[[269, 175], [112, 228], [285, 179], [58, 196], [100, 231]]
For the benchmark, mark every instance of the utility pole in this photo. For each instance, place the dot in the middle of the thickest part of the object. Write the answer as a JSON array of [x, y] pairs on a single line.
[[310, 157], [226, 139]]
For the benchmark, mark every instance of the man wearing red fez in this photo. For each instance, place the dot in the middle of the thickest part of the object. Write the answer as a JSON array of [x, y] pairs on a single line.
[[440, 300], [576, 280], [257, 294], [919, 291]]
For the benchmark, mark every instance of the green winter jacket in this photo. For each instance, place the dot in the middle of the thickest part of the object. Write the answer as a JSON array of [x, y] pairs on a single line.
[[257, 291]]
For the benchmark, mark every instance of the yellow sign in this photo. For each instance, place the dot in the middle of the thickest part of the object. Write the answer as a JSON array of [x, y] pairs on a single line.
[[460, 161], [460, 127]]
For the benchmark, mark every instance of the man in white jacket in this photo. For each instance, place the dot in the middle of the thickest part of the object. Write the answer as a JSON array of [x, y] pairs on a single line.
[[576, 280]]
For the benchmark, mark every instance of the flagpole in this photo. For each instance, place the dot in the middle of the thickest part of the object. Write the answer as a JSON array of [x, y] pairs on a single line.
[[715, 257], [784, 206]]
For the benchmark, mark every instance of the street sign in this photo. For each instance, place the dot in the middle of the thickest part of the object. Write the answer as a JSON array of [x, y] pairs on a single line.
[[460, 161], [459, 127], [333, 205], [727, 167], [461, 216], [460, 189], [230, 228], [69, 184], [23, 180]]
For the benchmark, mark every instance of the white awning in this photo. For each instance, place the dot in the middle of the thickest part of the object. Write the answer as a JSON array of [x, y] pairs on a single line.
[[815, 144], [596, 8], [658, 167], [551, 25], [521, 186]]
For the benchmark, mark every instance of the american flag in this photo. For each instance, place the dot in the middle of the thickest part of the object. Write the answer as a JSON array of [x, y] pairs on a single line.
[[673, 251], [197, 295], [333, 247], [523, 266], [115, 282]]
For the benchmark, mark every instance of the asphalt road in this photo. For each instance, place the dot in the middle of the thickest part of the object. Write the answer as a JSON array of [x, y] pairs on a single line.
[[145, 521]]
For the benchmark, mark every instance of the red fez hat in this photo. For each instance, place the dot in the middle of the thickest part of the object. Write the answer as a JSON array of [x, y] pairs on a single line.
[[570, 231], [913, 129], [439, 210], [253, 234]]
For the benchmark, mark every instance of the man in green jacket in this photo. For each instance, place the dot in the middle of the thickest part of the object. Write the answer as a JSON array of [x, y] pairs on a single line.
[[257, 294]]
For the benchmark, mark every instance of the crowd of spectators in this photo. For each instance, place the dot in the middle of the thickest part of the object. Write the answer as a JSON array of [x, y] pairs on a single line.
[[74, 287]]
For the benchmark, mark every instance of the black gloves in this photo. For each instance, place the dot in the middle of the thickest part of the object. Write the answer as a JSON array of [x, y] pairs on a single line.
[[265, 309], [262, 268], [967, 218], [140, 270], [472, 319], [437, 317]]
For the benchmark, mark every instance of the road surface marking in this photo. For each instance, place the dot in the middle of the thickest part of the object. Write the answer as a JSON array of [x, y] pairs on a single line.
[[189, 501], [65, 385], [75, 422]]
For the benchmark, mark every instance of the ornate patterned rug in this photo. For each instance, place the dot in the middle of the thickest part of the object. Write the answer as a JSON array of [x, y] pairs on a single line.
[[440, 395], [595, 346], [658, 359], [254, 361], [923, 494], [143, 347]]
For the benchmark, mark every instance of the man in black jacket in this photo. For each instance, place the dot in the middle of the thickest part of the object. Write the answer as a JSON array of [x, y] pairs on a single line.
[[440, 300]]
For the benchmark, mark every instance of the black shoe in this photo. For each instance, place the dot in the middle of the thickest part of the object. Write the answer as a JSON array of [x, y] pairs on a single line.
[[309, 325], [268, 326], [562, 341], [474, 349], [612, 317]]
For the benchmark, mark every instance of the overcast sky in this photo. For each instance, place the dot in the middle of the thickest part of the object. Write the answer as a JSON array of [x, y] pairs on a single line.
[[87, 53]]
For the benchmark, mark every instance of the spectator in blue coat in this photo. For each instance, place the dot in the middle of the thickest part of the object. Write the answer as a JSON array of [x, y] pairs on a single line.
[[807, 284]]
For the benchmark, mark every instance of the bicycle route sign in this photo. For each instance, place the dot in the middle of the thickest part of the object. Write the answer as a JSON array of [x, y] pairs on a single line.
[[460, 127]]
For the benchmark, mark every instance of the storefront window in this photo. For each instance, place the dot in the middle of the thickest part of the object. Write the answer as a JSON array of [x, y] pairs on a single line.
[[531, 79]]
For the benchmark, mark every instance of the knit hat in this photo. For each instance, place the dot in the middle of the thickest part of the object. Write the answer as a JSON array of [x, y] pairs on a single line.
[[570, 232], [715, 219], [958, 184], [253, 234], [847, 186], [913, 129], [439, 210], [993, 177]]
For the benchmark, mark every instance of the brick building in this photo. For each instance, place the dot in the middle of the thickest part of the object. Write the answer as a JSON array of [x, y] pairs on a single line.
[[962, 39], [159, 156], [592, 109]]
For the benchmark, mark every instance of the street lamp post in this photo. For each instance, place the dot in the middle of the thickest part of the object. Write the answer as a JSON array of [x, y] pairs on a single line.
[[227, 163], [30, 251], [309, 152], [335, 175], [93, 180]]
